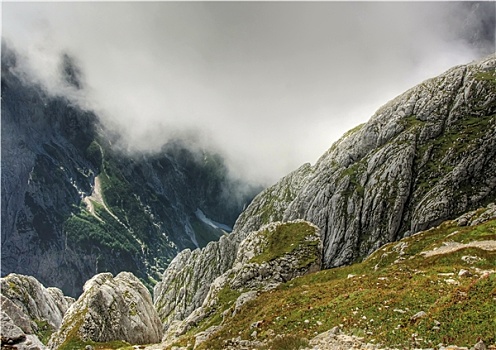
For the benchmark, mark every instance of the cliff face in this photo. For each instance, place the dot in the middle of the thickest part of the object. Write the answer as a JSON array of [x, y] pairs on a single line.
[[424, 157], [73, 206]]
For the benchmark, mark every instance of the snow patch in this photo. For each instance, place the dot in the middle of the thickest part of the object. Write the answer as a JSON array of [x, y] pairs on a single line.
[[201, 216]]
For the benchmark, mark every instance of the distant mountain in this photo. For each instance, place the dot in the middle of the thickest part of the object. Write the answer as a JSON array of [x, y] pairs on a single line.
[[73, 206], [425, 157]]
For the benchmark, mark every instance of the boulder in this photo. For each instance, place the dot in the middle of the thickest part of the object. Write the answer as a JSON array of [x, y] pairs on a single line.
[[111, 308]]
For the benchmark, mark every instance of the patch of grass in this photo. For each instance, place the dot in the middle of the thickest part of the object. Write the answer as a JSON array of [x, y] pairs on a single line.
[[77, 344], [286, 342], [285, 239], [377, 298], [44, 331]]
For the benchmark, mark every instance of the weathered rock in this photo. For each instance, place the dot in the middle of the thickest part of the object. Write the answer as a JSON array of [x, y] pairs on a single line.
[[277, 253], [111, 309], [424, 157], [10, 333], [33, 301]]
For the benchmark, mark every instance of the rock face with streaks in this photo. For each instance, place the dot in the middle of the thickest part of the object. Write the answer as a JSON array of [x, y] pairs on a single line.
[[74, 204], [110, 309], [276, 253], [427, 156]]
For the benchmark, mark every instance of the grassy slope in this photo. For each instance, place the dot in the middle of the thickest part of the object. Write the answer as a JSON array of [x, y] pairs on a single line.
[[387, 289]]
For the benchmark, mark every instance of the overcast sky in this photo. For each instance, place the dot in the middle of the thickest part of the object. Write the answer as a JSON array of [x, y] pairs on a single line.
[[271, 84]]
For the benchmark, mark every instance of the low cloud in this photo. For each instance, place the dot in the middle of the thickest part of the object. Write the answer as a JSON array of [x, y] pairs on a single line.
[[270, 85]]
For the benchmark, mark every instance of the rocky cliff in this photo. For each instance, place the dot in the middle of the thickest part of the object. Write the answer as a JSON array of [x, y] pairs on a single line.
[[424, 157], [73, 205]]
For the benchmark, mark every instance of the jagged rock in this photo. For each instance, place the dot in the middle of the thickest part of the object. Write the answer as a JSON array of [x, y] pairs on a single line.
[[11, 334], [424, 157], [33, 301], [111, 309], [186, 281], [276, 253], [17, 316]]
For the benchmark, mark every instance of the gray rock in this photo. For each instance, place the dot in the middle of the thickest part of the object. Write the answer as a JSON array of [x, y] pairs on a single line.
[[110, 309], [480, 345], [10, 333], [33, 301]]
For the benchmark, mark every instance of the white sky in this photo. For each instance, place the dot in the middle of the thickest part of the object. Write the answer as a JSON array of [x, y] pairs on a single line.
[[270, 84]]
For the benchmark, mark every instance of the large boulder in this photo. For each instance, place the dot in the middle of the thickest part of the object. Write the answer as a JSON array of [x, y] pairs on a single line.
[[110, 309], [28, 302]]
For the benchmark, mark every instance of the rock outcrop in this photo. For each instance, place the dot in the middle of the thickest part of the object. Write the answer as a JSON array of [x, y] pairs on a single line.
[[29, 309], [110, 309], [27, 301], [427, 156], [276, 253]]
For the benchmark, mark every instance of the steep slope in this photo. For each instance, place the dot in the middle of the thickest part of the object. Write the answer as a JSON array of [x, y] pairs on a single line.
[[73, 206], [424, 157]]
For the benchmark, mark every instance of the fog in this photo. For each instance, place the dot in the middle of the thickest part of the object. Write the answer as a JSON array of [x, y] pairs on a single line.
[[269, 85]]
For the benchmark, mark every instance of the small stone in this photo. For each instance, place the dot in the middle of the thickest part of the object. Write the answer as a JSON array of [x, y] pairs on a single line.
[[254, 334], [480, 345], [418, 315], [88, 347], [464, 273]]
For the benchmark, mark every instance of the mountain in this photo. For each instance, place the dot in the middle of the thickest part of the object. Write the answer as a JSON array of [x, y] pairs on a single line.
[[73, 205], [422, 183], [425, 157]]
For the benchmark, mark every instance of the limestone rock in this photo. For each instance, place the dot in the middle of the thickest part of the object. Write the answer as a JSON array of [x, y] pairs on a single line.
[[427, 156], [277, 253], [110, 309], [10, 333], [33, 301]]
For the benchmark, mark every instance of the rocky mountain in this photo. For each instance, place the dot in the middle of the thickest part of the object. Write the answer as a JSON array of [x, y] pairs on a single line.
[[425, 157], [73, 205]]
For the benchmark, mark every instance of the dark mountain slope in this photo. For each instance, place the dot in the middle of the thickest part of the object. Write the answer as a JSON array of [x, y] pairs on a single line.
[[73, 206]]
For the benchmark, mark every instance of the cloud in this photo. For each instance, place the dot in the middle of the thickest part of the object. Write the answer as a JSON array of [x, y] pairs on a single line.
[[269, 84]]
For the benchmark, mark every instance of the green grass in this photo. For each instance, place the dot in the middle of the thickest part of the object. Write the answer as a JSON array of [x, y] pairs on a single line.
[[377, 303], [285, 239]]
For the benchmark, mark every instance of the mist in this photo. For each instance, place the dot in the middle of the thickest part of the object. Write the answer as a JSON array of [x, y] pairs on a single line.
[[268, 85]]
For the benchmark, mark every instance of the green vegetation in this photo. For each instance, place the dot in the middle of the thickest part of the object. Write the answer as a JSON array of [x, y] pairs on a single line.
[[286, 342], [285, 239], [77, 344], [377, 298], [44, 331]]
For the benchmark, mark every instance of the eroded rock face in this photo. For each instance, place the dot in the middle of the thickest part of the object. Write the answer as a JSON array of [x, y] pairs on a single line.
[[424, 157], [276, 253], [111, 309], [26, 301], [186, 281]]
